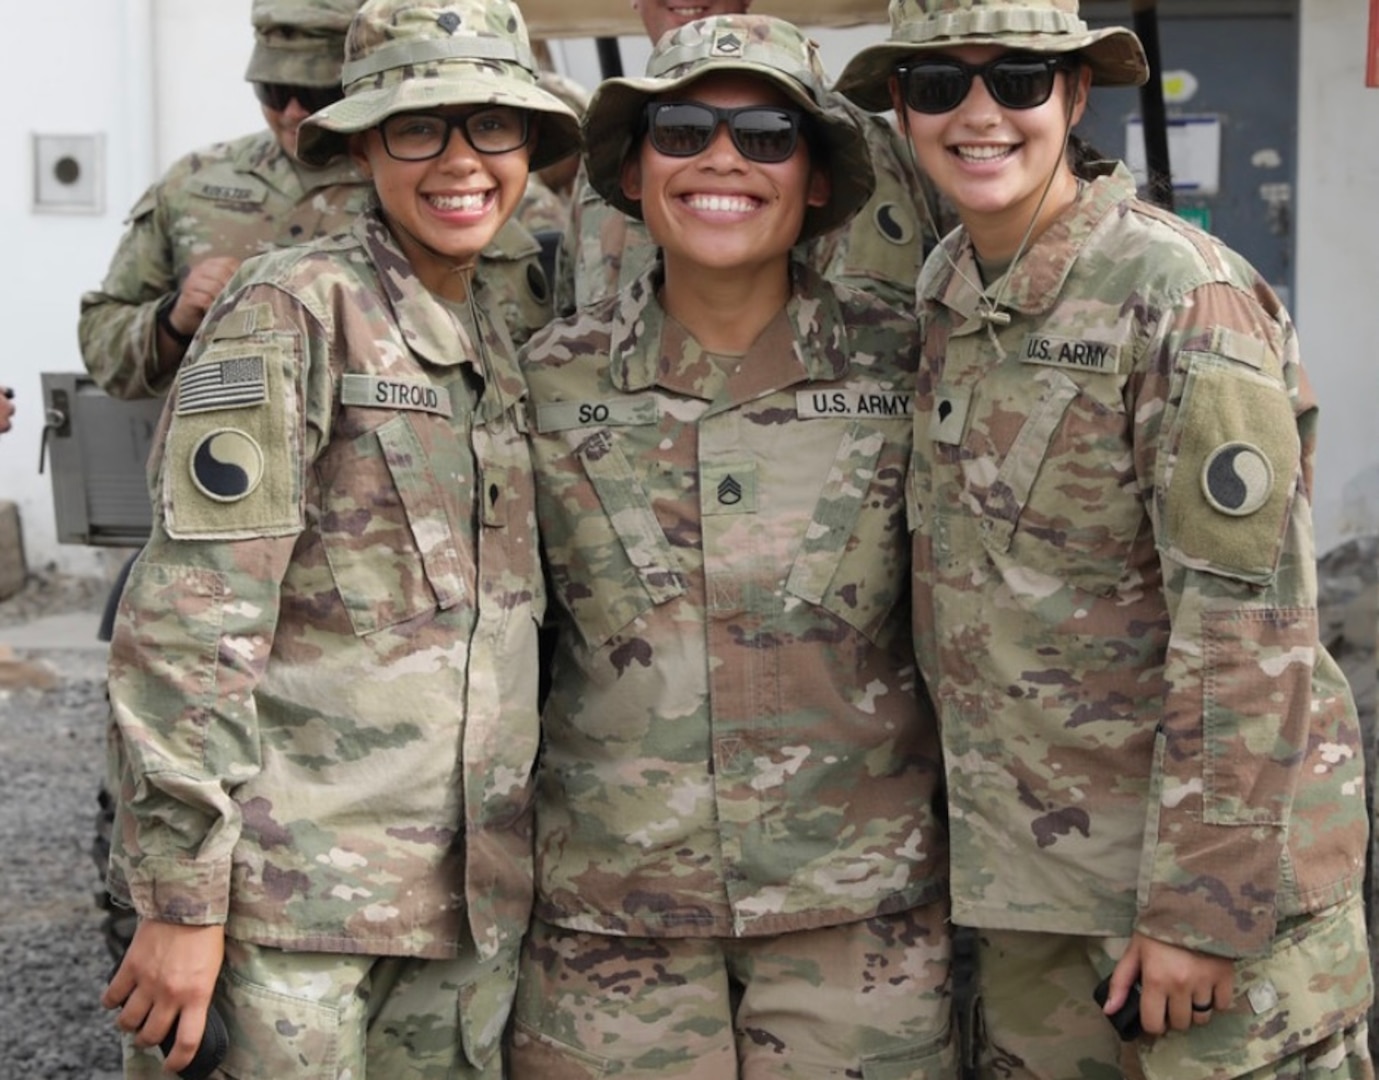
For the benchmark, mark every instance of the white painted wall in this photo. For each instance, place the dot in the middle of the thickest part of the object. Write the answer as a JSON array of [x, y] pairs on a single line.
[[86, 67], [160, 77], [1337, 301]]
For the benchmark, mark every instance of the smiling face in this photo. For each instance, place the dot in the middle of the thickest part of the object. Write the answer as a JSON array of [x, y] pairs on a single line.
[[445, 210], [659, 16], [718, 209], [283, 124], [993, 162]]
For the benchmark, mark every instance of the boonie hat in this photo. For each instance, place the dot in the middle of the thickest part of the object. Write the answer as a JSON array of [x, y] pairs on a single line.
[[1114, 55], [774, 50], [419, 55], [299, 42]]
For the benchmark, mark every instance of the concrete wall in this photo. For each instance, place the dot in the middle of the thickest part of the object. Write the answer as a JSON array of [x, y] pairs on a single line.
[[86, 67], [1337, 302], [159, 77]]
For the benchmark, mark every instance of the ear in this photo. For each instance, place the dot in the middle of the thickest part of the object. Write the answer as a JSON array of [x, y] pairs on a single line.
[[358, 151], [820, 187], [631, 176]]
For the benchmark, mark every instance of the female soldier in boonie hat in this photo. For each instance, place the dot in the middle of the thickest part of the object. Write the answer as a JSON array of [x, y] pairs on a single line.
[[740, 860], [332, 730], [1110, 503]]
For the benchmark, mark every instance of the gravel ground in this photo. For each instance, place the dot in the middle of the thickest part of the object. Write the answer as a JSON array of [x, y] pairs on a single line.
[[52, 751]]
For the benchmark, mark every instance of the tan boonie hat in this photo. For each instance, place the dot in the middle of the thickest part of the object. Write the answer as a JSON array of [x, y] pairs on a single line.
[[772, 49], [299, 42], [421, 55], [1114, 55]]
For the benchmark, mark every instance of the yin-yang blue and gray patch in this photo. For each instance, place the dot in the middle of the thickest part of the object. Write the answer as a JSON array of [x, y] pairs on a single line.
[[1237, 479], [226, 465]]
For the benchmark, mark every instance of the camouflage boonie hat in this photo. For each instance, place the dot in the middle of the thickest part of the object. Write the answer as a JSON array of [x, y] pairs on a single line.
[[1037, 26], [772, 49], [299, 42], [420, 55]]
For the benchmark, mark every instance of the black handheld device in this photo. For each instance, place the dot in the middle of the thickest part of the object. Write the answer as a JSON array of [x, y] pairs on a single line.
[[1126, 1019], [214, 1044]]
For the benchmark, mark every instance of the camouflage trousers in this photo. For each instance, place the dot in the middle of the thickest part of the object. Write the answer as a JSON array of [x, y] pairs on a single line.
[[865, 1000], [1298, 1012], [333, 1016]]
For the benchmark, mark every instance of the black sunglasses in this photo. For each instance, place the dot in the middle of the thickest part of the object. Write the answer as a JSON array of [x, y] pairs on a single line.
[[277, 96], [762, 133], [1014, 82]]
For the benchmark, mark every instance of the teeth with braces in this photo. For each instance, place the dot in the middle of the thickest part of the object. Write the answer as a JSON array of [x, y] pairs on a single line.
[[472, 201]]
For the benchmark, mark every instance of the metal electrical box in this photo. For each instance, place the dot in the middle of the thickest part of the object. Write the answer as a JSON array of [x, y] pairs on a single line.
[[96, 450], [1230, 71]]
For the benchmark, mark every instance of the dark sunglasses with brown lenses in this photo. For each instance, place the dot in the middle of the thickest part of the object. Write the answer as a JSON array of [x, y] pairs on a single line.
[[277, 96]]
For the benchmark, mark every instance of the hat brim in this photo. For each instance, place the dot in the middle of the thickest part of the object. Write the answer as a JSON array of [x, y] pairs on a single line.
[[297, 66], [613, 122], [1114, 55], [325, 135]]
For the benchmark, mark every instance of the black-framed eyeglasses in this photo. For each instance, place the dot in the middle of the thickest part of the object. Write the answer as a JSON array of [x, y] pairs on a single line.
[[498, 129], [761, 133], [1015, 82], [277, 96]]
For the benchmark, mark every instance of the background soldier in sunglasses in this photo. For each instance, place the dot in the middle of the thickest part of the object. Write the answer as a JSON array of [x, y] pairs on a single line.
[[228, 201], [740, 863], [1154, 767], [879, 250], [218, 206]]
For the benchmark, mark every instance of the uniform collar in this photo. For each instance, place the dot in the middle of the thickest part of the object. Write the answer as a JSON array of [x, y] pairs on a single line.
[[807, 343], [265, 159], [429, 327], [1036, 281]]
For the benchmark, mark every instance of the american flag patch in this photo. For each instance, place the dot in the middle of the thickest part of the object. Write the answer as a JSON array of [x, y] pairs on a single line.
[[226, 384]]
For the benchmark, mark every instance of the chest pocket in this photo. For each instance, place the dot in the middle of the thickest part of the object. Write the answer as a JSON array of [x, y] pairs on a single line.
[[1064, 499], [854, 559], [390, 500], [621, 563]]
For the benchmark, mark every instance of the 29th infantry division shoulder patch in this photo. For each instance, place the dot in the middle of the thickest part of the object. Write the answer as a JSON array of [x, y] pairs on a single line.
[[226, 465], [1237, 479]]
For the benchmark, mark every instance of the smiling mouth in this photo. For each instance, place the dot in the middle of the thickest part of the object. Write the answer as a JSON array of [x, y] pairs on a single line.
[[722, 204], [689, 13], [469, 202], [979, 154]]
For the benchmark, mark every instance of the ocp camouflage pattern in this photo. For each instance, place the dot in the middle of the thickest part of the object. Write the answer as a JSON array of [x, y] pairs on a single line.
[[736, 742], [322, 670], [1115, 597]]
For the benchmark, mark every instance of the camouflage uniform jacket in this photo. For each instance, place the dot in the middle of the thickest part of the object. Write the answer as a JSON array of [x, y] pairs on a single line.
[[879, 251], [1115, 597], [736, 742], [239, 199], [322, 670]]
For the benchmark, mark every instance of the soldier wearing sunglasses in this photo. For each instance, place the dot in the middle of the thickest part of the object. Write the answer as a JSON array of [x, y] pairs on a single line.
[[740, 862], [216, 207], [1155, 778], [879, 250], [219, 205]]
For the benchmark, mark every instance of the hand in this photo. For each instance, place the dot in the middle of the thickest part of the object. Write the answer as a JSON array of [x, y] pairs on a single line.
[[1172, 980], [198, 292], [167, 977]]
